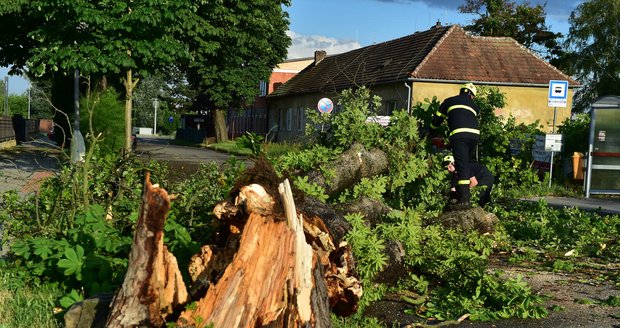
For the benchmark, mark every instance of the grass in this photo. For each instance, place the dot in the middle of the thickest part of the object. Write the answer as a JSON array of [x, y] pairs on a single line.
[[230, 147], [22, 305], [271, 149]]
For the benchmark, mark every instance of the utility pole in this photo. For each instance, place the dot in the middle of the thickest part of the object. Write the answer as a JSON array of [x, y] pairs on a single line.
[[29, 102], [6, 96], [155, 105], [78, 147]]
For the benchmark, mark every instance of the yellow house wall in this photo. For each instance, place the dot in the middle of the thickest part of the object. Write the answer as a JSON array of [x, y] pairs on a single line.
[[295, 65], [526, 104]]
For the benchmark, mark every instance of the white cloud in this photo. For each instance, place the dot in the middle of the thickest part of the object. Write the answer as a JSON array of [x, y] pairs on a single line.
[[305, 45]]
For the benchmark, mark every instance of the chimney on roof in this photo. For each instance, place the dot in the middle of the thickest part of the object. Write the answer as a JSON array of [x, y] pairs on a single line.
[[438, 24], [319, 55]]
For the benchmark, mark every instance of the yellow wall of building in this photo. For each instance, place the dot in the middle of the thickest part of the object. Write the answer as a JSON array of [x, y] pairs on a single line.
[[295, 65], [526, 104]]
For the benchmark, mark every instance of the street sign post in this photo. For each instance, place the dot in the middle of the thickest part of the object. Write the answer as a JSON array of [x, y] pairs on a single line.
[[558, 96], [558, 93]]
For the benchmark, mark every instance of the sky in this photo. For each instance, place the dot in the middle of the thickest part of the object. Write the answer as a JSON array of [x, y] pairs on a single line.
[[337, 26]]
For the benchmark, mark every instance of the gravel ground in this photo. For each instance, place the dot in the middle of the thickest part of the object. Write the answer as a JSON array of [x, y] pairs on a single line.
[[23, 167], [573, 296]]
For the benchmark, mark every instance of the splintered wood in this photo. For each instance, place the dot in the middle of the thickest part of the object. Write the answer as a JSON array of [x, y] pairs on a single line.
[[270, 280], [153, 285], [274, 268]]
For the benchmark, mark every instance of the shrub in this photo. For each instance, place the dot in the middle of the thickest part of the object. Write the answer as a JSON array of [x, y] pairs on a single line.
[[99, 114]]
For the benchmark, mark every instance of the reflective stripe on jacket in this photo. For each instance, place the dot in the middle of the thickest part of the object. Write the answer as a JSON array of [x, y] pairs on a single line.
[[461, 114]]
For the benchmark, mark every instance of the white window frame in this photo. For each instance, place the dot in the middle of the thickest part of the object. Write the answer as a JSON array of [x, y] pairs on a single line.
[[262, 85]]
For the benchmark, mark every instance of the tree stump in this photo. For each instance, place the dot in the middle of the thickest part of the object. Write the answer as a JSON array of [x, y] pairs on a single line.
[[153, 285], [275, 279]]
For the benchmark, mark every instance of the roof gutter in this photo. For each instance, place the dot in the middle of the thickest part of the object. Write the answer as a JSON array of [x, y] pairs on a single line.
[[411, 79]]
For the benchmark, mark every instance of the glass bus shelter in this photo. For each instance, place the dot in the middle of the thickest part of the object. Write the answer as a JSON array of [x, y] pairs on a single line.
[[603, 169]]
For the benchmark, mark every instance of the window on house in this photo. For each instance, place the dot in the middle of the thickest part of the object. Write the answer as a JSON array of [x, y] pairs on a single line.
[[389, 106], [262, 85], [300, 119], [289, 119], [283, 119]]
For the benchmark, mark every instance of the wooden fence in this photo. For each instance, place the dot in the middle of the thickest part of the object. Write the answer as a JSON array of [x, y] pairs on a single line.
[[248, 120], [19, 129]]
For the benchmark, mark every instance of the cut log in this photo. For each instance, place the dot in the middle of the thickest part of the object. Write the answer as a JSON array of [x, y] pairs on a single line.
[[153, 286], [272, 280], [349, 168], [468, 220], [373, 210]]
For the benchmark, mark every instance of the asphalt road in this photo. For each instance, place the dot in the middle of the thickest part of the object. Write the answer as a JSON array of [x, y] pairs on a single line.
[[23, 166], [159, 148]]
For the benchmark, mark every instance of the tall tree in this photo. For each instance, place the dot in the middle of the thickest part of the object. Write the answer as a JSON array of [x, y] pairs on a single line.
[[524, 23], [128, 39], [250, 39], [594, 36]]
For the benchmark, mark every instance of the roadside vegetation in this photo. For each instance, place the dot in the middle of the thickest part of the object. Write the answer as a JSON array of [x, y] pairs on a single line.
[[71, 240]]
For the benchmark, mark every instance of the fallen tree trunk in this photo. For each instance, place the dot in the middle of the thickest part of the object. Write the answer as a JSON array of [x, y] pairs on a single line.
[[153, 285], [349, 168], [274, 279]]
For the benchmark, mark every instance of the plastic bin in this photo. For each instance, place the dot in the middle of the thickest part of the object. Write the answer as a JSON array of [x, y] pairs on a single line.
[[578, 166]]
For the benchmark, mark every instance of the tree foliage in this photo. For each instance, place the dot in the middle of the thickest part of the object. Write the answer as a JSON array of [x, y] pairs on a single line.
[[524, 23], [594, 36], [123, 39], [249, 40]]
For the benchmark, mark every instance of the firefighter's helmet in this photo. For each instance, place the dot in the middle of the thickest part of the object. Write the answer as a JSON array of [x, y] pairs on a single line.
[[469, 87], [449, 159]]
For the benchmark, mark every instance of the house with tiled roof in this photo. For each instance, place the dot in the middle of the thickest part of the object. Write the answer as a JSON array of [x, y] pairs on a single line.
[[435, 62], [254, 117]]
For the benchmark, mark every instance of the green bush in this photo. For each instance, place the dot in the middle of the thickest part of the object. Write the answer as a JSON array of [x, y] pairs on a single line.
[[575, 132], [102, 113], [77, 232]]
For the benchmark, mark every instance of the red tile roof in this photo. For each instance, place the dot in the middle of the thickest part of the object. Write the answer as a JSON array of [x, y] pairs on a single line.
[[459, 56], [444, 53]]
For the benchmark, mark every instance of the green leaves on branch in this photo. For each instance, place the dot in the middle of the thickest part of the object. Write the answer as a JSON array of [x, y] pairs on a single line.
[[73, 262], [253, 142]]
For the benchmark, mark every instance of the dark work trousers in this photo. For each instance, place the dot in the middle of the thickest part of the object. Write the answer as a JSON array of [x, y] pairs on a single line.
[[463, 150], [485, 194]]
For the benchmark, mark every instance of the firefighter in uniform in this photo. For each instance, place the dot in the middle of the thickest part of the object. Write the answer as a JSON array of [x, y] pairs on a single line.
[[462, 116]]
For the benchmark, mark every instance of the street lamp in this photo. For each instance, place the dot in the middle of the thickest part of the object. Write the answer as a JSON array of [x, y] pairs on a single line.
[[155, 105]]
